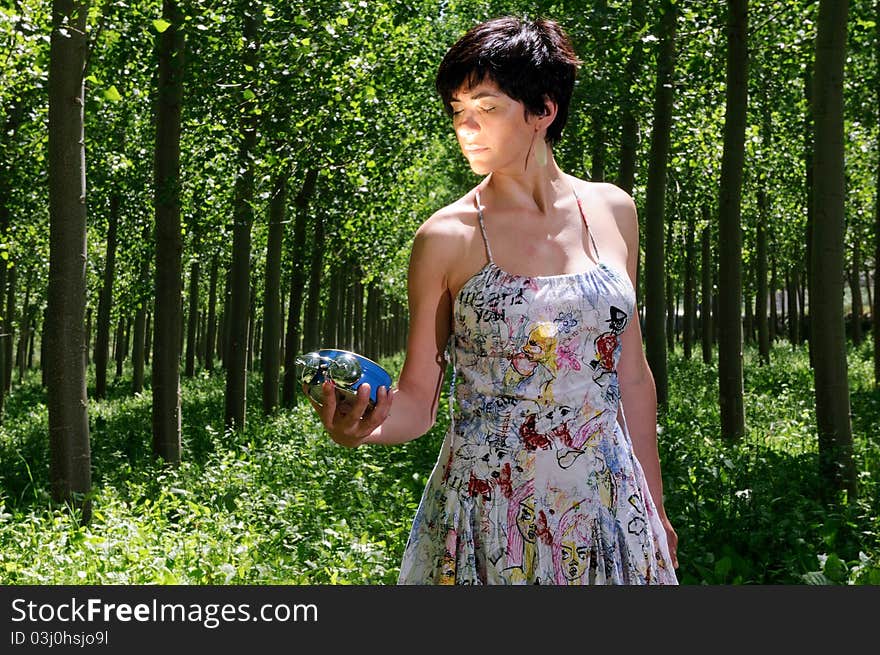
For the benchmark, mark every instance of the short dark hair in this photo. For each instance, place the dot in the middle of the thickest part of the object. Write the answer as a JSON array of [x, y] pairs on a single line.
[[530, 61]]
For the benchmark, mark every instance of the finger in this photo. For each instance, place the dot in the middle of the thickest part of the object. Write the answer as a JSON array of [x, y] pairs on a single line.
[[359, 407], [673, 550], [311, 400], [381, 411], [328, 393], [345, 420]]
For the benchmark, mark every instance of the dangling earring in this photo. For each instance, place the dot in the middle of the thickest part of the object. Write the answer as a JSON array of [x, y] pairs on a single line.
[[531, 145], [541, 153]]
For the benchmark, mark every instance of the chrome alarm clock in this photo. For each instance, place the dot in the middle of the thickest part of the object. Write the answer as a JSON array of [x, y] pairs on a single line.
[[346, 369]]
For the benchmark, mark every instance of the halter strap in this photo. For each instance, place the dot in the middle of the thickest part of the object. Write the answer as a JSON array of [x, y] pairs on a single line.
[[580, 209], [586, 224], [483, 227]]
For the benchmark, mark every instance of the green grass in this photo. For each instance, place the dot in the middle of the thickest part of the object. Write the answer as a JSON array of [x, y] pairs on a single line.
[[280, 503], [749, 513]]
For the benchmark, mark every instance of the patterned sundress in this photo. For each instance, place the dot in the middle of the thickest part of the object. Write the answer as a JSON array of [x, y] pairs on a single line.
[[536, 481]]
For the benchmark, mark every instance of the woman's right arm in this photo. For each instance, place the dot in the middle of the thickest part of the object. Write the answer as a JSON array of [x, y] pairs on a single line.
[[416, 396]]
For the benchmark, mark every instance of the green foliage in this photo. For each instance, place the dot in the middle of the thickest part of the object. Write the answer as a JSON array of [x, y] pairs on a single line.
[[347, 88], [280, 503], [749, 513]]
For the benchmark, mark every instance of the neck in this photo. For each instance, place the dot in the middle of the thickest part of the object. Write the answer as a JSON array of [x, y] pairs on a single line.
[[535, 189]]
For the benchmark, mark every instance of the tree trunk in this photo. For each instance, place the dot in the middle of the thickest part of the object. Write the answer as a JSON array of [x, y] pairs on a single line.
[[655, 264], [601, 89], [200, 337], [169, 245], [33, 336], [271, 366], [24, 329], [3, 280], [804, 329], [119, 353], [88, 339], [749, 319], [855, 289], [223, 342], [341, 320], [761, 286], [715, 306], [807, 289], [312, 319], [256, 339], [358, 315], [105, 301], [238, 309], [44, 382], [597, 131], [251, 328], [793, 304], [297, 280], [875, 307], [629, 130], [12, 117], [730, 337], [139, 355], [786, 300], [370, 328], [774, 285], [192, 319], [211, 336], [706, 292], [70, 451], [285, 297], [827, 335], [148, 338], [690, 304], [670, 291], [10, 318], [330, 332]]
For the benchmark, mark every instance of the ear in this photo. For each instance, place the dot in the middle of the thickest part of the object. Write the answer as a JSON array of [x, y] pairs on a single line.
[[548, 115]]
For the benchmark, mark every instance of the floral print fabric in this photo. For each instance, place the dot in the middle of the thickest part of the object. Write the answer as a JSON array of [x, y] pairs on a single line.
[[536, 481]]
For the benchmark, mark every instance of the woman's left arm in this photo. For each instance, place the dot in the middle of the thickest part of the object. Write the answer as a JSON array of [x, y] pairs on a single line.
[[637, 390]]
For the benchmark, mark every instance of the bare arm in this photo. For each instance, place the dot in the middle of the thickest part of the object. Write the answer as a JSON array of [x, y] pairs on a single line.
[[637, 389], [416, 397]]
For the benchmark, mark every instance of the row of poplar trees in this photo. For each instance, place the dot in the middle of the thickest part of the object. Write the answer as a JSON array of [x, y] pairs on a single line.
[[267, 103]]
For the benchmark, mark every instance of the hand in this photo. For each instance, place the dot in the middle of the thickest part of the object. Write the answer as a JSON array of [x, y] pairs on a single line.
[[345, 421], [671, 540]]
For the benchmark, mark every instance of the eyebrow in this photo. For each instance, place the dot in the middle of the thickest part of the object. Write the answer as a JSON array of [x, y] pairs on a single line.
[[477, 96]]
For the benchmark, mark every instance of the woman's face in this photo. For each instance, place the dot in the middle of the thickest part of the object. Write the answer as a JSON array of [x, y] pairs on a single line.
[[492, 130], [525, 520]]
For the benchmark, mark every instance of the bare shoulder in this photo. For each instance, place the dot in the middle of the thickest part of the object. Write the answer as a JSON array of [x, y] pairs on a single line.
[[442, 243], [617, 198], [619, 204], [445, 232], [449, 222]]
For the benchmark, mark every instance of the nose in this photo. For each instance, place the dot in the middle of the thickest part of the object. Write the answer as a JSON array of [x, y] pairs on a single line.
[[467, 123]]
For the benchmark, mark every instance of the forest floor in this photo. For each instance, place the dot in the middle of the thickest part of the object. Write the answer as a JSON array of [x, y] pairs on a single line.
[[280, 503]]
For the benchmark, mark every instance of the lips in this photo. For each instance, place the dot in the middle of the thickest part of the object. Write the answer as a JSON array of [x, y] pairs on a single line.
[[474, 148]]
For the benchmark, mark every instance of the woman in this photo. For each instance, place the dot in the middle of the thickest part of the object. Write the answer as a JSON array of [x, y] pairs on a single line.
[[529, 278]]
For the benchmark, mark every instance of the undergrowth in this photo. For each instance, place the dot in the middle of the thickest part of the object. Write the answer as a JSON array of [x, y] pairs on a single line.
[[280, 503]]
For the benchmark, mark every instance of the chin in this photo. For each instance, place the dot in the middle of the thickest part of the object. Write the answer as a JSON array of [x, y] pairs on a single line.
[[480, 169]]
